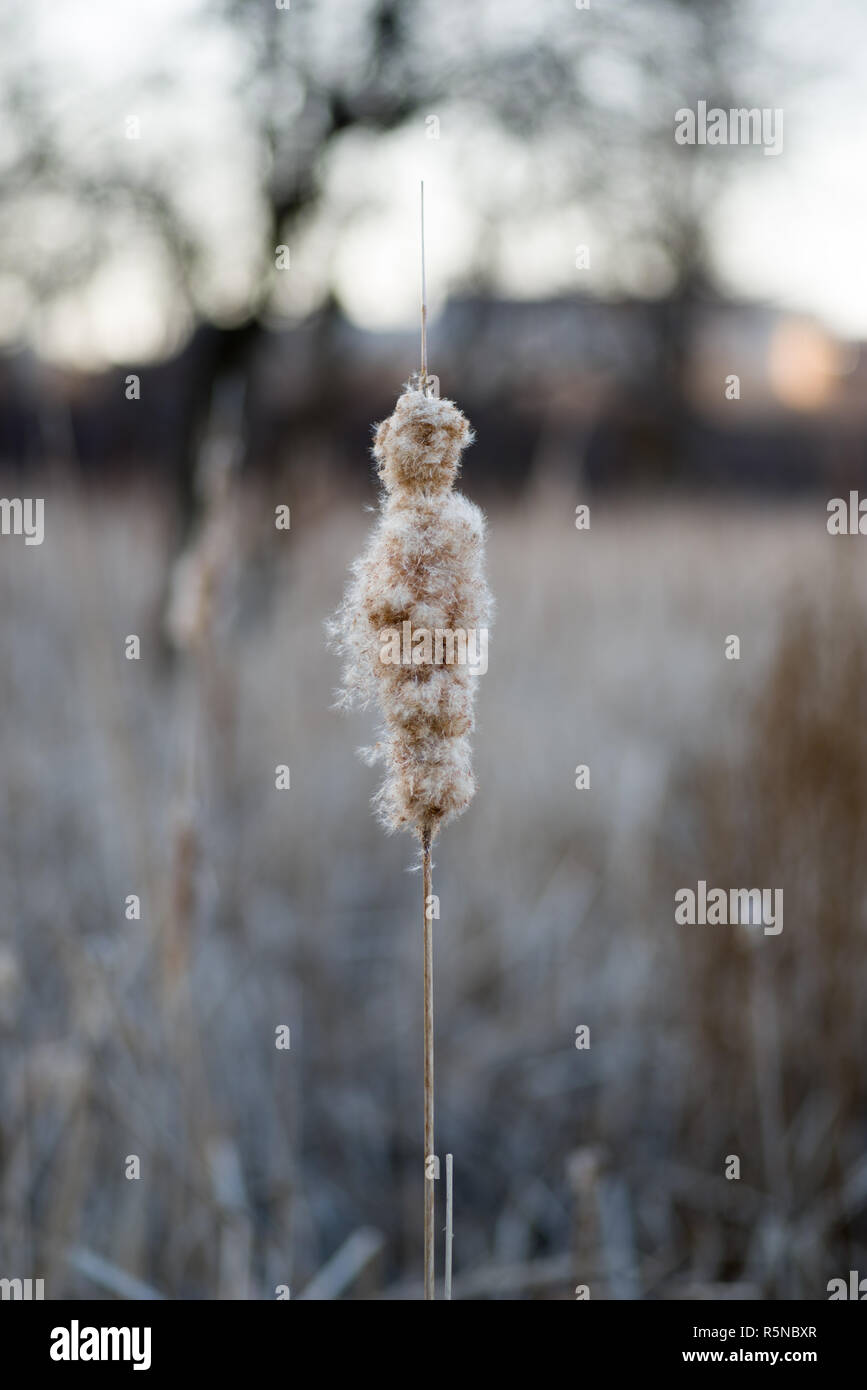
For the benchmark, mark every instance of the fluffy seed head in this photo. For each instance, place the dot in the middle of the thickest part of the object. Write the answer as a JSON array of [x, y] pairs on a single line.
[[423, 567], [418, 448]]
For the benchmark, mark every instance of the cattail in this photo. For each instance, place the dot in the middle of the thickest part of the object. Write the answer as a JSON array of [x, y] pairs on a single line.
[[416, 591], [423, 566]]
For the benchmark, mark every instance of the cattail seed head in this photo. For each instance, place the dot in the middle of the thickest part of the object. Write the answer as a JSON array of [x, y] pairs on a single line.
[[422, 572], [418, 448]]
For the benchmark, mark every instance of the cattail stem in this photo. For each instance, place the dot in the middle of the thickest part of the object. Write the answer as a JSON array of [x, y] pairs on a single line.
[[423, 564], [429, 1185], [423, 372], [450, 1223]]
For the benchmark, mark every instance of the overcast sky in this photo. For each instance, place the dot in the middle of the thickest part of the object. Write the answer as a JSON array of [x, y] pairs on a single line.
[[789, 229]]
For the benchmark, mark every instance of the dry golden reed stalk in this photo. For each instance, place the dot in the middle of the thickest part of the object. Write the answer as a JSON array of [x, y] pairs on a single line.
[[200, 578], [421, 577]]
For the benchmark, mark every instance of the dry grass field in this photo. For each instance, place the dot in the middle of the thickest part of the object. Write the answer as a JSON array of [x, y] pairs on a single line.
[[259, 908]]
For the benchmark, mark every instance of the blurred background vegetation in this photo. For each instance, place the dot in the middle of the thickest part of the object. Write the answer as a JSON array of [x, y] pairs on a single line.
[[220, 202]]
